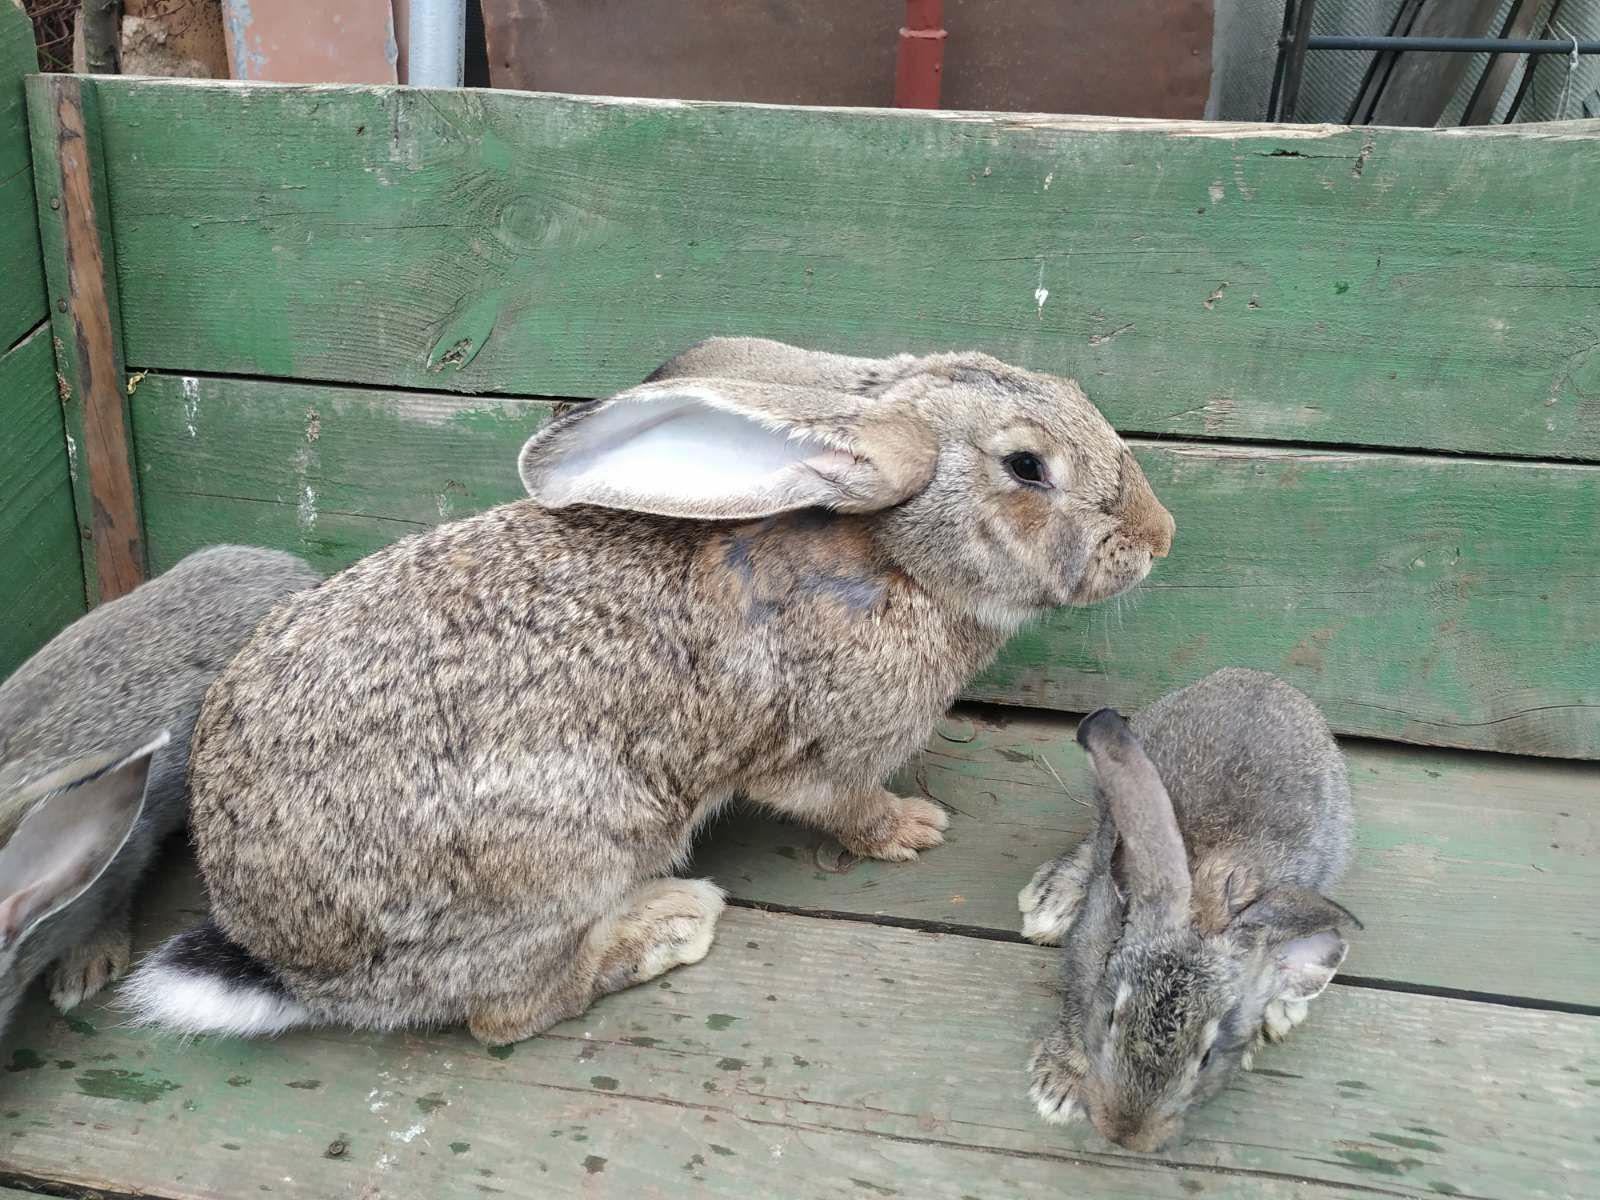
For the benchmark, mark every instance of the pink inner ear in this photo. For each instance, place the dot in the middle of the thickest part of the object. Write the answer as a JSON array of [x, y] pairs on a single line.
[[14, 913], [1308, 964]]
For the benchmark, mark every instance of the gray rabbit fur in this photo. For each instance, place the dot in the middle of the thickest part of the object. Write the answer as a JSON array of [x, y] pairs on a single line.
[[79, 723], [453, 783], [1194, 919]]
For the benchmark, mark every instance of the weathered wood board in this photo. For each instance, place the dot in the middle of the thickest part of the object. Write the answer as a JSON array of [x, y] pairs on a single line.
[[1458, 853], [1433, 599], [803, 1057], [41, 566], [75, 235], [1376, 287], [22, 299]]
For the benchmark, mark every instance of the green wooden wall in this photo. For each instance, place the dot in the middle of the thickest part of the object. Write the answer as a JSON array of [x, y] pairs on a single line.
[[1360, 367], [41, 566]]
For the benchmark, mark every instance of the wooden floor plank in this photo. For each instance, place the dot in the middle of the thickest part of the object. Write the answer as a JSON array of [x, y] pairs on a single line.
[[1474, 872], [804, 1057], [1410, 288], [1477, 623]]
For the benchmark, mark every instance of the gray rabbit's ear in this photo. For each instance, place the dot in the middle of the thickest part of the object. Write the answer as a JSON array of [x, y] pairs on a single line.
[[717, 449], [760, 360], [70, 836], [1301, 928], [1152, 845], [1305, 966]]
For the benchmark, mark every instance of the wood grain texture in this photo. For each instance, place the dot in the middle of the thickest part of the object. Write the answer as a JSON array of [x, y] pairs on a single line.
[[22, 299], [1435, 600], [41, 584], [332, 473], [76, 232], [1403, 288], [1457, 853], [803, 1058]]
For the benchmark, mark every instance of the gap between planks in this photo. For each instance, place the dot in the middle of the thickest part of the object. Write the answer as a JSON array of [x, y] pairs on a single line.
[[1147, 437]]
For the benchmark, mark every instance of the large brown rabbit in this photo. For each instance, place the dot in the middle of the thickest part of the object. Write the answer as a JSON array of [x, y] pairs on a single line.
[[453, 782]]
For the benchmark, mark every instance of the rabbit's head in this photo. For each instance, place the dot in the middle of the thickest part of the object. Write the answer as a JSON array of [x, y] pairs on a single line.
[[1179, 1006], [60, 831], [1002, 491]]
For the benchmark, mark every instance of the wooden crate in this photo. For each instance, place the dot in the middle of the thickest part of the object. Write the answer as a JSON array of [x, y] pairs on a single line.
[[1359, 366]]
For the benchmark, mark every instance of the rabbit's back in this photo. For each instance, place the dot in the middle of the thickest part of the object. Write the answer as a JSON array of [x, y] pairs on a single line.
[[1254, 774], [142, 662]]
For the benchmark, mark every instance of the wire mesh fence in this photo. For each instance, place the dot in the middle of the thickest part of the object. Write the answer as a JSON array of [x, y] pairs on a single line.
[[53, 21]]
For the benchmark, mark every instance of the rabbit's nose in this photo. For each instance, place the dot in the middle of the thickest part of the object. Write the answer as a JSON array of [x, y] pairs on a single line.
[[1159, 532], [1144, 517], [1137, 1138]]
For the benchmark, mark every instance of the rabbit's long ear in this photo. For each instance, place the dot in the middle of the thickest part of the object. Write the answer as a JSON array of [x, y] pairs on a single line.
[[760, 360], [718, 449], [1301, 929], [1157, 865], [69, 837]]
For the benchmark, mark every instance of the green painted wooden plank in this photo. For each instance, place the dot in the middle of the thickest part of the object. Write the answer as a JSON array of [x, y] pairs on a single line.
[[1435, 600], [41, 584], [334, 472], [823, 1058], [1458, 852], [1432, 600], [1410, 288], [22, 299]]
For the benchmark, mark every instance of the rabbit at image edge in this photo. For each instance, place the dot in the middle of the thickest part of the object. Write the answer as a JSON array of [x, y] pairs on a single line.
[[1193, 920], [94, 739], [452, 783]]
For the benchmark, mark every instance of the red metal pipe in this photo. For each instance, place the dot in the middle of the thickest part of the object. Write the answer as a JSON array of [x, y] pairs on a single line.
[[920, 64]]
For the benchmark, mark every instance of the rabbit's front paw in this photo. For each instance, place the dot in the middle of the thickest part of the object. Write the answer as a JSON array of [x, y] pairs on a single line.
[[903, 826], [85, 969], [1282, 1016], [1056, 1072], [1049, 904]]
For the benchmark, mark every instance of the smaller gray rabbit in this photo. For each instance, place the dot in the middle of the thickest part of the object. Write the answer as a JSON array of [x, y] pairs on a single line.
[[94, 744], [1193, 920]]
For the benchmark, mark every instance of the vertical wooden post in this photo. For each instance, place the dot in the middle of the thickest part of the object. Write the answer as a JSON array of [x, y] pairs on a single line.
[[74, 227]]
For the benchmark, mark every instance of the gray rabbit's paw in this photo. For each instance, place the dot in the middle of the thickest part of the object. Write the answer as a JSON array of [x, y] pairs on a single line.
[[1282, 1016], [1049, 904], [85, 969], [679, 923], [1056, 1073]]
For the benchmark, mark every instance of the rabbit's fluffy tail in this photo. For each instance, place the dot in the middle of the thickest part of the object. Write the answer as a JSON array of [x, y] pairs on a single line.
[[200, 982]]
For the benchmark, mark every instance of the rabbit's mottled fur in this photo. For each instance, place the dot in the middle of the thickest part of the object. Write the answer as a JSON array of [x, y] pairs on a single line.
[[109, 683], [451, 783], [1194, 919]]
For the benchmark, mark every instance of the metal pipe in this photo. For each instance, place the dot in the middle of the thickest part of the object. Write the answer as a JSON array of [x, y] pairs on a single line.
[[437, 51], [920, 63], [1454, 45]]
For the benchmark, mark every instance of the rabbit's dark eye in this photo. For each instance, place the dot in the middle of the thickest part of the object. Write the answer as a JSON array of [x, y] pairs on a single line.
[[1026, 468], [1111, 1019], [1205, 1060]]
